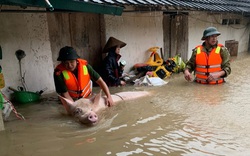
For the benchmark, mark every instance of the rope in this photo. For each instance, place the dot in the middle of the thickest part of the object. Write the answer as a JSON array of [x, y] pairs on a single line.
[[119, 96], [18, 115]]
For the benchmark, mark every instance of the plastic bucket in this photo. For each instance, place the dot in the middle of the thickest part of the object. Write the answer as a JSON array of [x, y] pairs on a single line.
[[26, 97]]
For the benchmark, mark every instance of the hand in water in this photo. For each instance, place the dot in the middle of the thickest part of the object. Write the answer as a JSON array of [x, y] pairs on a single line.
[[109, 101], [187, 75], [215, 75], [123, 83]]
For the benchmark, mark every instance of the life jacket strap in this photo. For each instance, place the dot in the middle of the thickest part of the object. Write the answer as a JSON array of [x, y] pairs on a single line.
[[202, 73], [200, 80], [79, 92], [90, 89], [209, 66]]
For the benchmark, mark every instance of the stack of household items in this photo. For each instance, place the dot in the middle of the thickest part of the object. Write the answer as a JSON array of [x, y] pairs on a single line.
[[155, 70]]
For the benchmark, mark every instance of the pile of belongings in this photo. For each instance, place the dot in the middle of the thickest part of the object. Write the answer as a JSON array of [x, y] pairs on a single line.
[[149, 81], [155, 66]]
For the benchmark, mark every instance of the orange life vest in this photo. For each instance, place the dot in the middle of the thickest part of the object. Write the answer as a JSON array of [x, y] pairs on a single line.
[[80, 86], [208, 63]]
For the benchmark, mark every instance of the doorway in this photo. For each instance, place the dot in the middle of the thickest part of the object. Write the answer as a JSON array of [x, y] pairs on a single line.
[[175, 29]]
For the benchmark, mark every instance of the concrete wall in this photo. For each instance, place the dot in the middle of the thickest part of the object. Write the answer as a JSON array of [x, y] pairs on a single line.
[[176, 37], [79, 30], [140, 31], [28, 32], [198, 21]]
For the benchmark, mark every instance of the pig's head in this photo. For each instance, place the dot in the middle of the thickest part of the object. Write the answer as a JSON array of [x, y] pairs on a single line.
[[83, 109]]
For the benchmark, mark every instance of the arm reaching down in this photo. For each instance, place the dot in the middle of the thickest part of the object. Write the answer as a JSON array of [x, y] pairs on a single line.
[[102, 84]]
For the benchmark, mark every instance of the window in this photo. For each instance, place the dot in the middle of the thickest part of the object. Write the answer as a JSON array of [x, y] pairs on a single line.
[[230, 21]]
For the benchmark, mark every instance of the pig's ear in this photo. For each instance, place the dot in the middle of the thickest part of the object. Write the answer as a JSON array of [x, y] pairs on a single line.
[[97, 98], [68, 104]]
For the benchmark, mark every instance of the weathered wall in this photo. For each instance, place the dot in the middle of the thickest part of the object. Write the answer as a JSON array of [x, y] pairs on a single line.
[[79, 30], [41, 36], [140, 31], [175, 35], [198, 21], [28, 32]]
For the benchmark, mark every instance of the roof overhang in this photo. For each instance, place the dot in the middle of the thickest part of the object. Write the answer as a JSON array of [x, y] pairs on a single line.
[[67, 5]]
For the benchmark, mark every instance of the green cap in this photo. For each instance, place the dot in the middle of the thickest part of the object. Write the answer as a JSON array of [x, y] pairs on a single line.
[[67, 53], [209, 32]]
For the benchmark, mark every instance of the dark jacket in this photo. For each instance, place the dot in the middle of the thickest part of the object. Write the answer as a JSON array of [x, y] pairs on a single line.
[[112, 71]]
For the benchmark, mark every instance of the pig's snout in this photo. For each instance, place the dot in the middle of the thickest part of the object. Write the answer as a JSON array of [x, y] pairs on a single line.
[[93, 117]]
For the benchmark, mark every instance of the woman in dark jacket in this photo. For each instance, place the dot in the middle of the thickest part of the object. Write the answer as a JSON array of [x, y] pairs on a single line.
[[112, 70]]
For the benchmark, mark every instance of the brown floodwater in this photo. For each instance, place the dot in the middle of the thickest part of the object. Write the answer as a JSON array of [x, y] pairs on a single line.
[[179, 118]]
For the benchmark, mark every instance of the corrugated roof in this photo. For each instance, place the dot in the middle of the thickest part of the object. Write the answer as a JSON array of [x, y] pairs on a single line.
[[233, 6], [98, 6]]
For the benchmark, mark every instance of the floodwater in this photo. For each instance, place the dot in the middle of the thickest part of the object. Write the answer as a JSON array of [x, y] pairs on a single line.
[[179, 118]]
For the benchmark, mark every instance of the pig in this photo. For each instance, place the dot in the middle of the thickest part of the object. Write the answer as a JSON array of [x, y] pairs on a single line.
[[86, 110]]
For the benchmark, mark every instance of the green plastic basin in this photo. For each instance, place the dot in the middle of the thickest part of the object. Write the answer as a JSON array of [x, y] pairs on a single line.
[[26, 97], [1, 101]]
